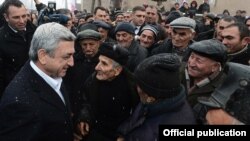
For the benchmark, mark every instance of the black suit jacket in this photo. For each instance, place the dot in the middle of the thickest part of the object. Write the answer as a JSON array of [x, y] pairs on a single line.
[[31, 110]]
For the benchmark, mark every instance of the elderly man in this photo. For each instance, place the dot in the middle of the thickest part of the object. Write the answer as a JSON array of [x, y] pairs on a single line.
[[149, 37], [124, 34], [15, 38], [203, 73], [85, 62], [229, 104], [35, 105], [236, 38], [183, 31], [110, 95], [162, 99]]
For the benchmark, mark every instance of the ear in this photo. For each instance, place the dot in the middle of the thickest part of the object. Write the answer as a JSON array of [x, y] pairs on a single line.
[[216, 67], [193, 35], [6, 17], [118, 70], [42, 55], [245, 41]]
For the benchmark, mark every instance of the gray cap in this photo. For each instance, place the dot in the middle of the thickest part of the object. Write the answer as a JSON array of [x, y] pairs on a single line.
[[89, 34], [102, 24], [183, 22], [212, 49]]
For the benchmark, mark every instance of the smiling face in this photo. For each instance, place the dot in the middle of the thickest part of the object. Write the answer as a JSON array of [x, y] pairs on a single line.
[[200, 67], [57, 64], [147, 38], [16, 17]]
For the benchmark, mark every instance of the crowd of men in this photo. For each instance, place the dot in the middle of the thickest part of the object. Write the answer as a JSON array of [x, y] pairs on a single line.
[[90, 77]]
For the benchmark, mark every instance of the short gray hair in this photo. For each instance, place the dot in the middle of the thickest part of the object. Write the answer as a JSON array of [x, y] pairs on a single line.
[[48, 36]]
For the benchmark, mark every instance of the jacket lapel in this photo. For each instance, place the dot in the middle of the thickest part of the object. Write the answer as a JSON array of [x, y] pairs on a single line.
[[44, 91]]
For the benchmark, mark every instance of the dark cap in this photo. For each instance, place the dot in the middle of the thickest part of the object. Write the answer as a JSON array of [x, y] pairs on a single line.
[[158, 75], [125, 26], [102, 24], [212, 49], [183, 22], [88, 34], [210, 16], [87, 26], [114, 52], [172, 16], [233, 95]]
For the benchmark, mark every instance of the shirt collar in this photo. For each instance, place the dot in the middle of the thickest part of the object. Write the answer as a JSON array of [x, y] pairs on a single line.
[[55, 83], [14, 29]]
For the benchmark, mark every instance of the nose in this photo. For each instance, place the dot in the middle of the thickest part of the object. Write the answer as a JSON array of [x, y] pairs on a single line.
[[97, 66], [71, 61]]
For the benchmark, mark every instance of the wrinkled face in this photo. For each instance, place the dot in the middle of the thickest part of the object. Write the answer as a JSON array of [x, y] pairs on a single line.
[[231, 39], [105, 69], [100, 15], [220, 27], [220, 117], [151, 15], [56, 65], [124, 39], [104, 33], [16, 17], [147, 38], [200, 67], [90, 47], [138, 17], [181, 37]]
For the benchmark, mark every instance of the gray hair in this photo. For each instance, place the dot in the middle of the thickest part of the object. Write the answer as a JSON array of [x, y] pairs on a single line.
[[48, 36]]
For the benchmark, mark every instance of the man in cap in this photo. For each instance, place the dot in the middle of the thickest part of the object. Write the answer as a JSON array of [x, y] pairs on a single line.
[[203, 73], [229, 103], [183, 31], [104, 28], [236, 38], [124, 34], [85, 62], [162, 96], [110, 95], [148, 37]]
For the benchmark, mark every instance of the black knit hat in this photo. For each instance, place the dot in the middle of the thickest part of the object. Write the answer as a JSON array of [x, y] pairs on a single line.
[[114, 52], [212, 49], [158, 75], [125, 26]]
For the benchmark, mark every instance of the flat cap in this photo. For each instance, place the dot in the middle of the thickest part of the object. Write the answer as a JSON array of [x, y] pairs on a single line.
[[102, 24], [89, 34], [212, 49], [183, 22]]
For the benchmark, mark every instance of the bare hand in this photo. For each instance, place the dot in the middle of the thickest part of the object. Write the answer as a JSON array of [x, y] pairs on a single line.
[[83, 128]]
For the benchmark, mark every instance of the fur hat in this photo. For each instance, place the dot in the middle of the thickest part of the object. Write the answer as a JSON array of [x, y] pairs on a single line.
[[114, 52], [158, 75]]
